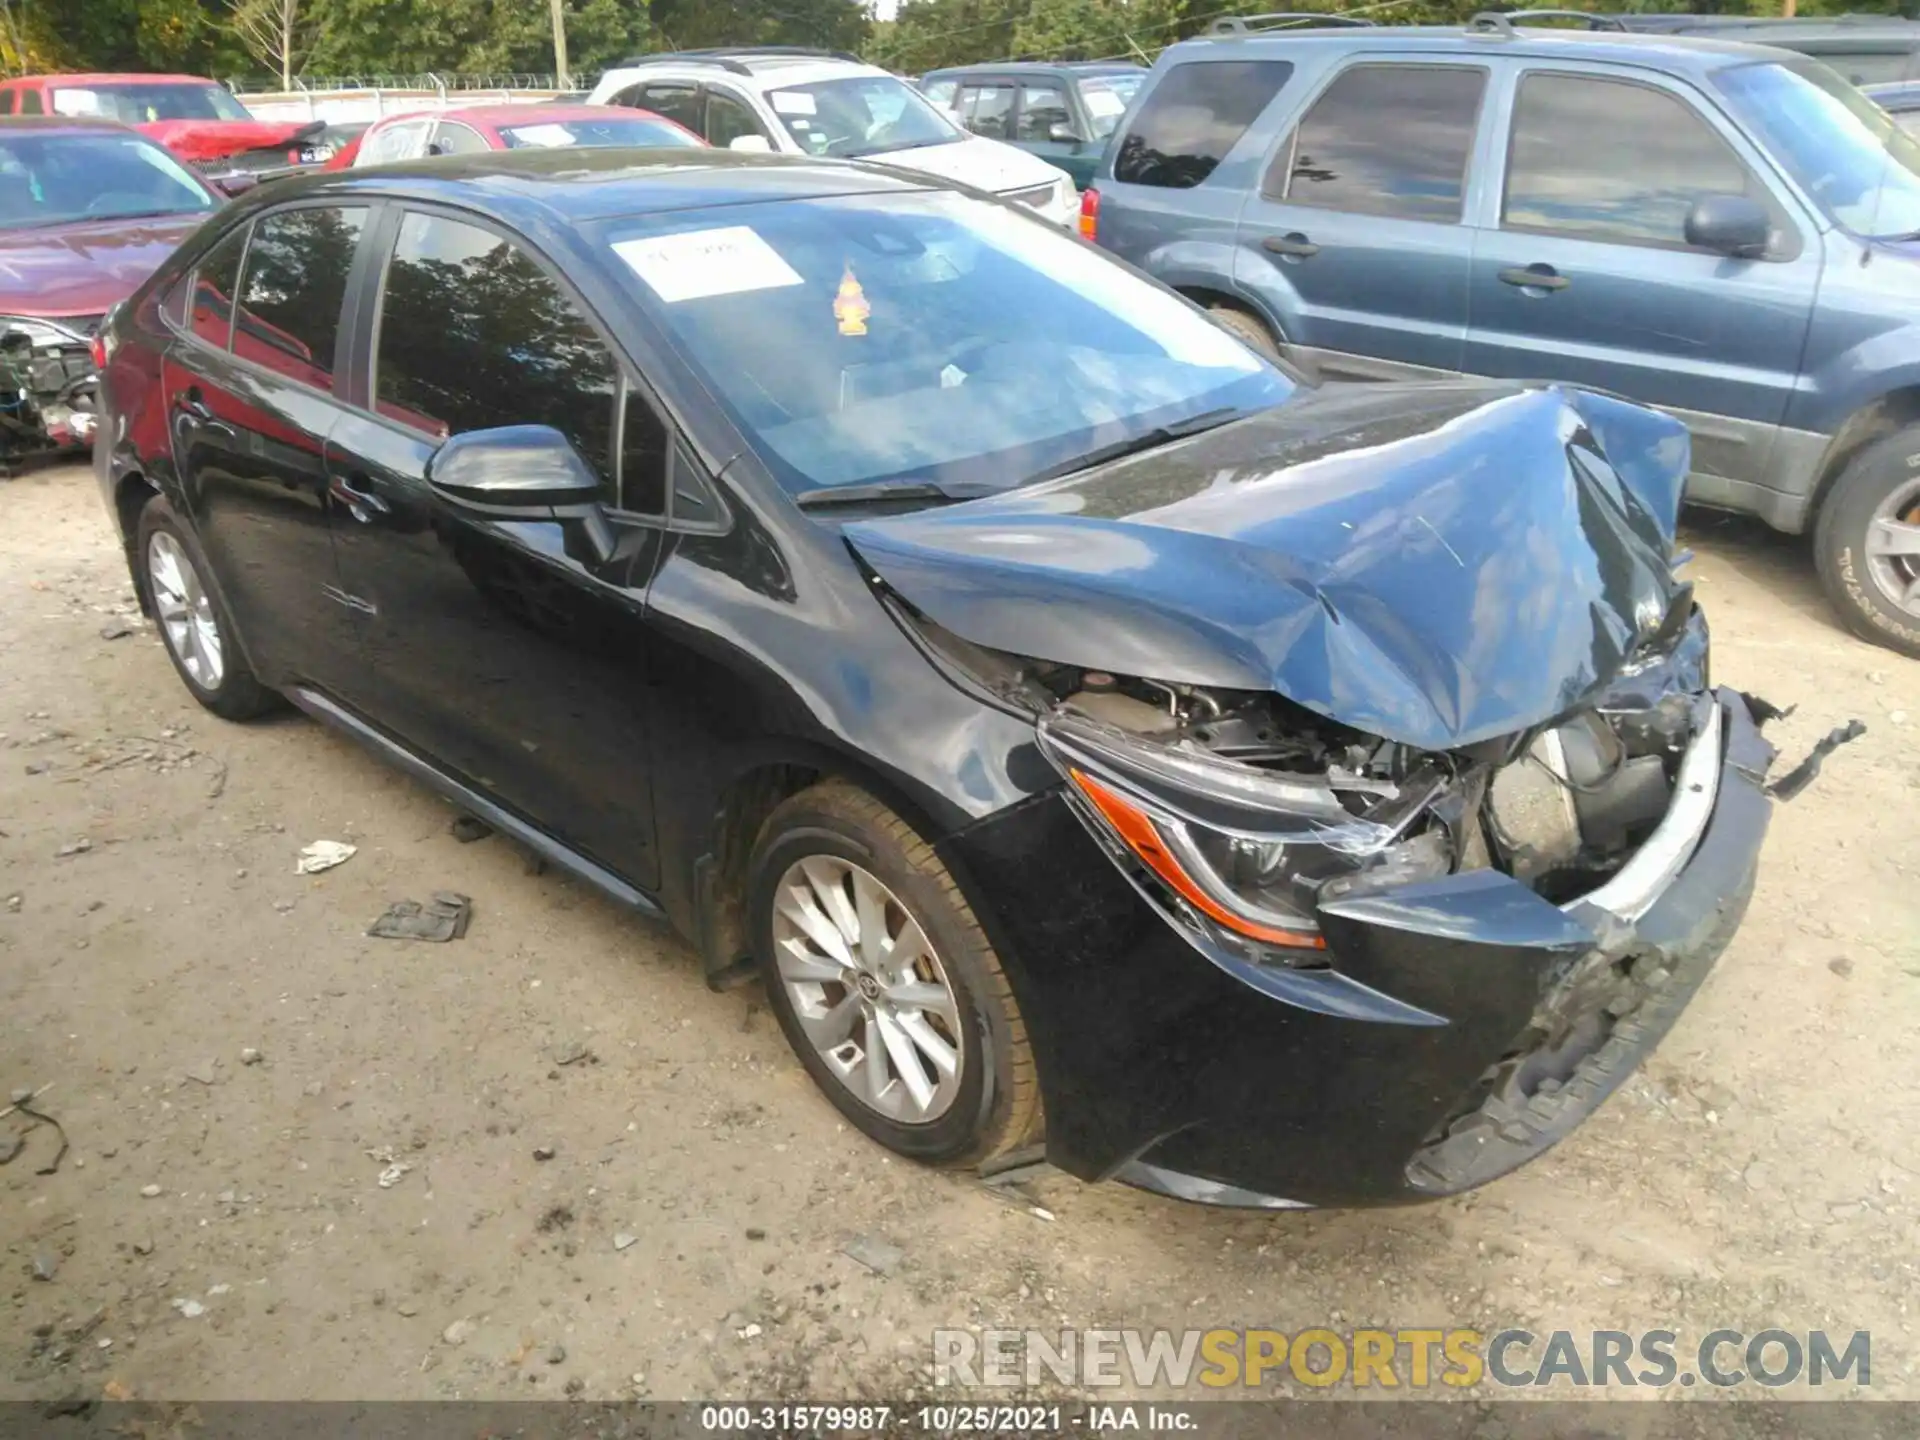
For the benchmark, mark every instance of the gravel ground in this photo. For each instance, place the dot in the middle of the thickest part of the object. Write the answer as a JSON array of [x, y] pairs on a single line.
[[307, 1164]]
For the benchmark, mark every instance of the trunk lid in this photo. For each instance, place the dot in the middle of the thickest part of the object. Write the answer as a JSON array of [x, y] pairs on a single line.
[[1435, 564]]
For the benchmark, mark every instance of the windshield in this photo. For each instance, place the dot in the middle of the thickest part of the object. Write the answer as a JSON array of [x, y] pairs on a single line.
[[1106, 98], [141, 104], [1845, 151], [928, 337], [54, 179], [860, 115], [615, 130]]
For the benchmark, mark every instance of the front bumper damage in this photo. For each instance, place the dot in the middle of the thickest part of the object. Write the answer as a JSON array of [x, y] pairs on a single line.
[[1463, 1027], [48, 389]]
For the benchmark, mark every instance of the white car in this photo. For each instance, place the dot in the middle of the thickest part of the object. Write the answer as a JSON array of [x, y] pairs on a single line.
[[815, 102]]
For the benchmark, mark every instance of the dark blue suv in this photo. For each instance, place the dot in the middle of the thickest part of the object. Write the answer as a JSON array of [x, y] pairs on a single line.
[[1724, 230]]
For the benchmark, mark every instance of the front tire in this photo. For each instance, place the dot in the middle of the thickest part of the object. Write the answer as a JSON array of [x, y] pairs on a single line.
[[1866, 543], [884, 983], [194, 626]]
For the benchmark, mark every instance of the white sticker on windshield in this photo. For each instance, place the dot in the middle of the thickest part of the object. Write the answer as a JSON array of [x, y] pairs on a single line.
[[77, 102], [542, 135], [794, 102], [699, 263]]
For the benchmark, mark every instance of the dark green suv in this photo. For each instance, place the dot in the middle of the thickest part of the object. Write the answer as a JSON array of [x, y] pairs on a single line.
[[1063, 112]]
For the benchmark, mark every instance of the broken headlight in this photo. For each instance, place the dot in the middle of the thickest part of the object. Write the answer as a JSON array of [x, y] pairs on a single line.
[[1239, 853]]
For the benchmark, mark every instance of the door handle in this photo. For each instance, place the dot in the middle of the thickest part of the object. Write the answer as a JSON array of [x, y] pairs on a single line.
[[191, 404], [350, 492], [1294, 246], [1535, 277]]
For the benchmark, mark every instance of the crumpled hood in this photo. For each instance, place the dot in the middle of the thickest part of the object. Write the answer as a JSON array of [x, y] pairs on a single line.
[[84, 268], [1434, 564], [216, 139]]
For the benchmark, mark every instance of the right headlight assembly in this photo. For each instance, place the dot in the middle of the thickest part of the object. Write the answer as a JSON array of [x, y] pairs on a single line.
[[1238, 855]]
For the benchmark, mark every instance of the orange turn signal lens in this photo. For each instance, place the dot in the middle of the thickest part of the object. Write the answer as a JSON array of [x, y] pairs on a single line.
[[1134, 826]]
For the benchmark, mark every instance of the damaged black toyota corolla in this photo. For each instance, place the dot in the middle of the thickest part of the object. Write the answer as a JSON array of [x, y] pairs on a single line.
[[1107, 750]]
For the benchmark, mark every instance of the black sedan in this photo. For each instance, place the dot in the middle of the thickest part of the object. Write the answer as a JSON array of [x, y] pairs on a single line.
[[1106, 748]]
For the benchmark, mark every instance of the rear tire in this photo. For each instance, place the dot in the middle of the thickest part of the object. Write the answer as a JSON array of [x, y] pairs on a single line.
[[1249, 329], [1867, 520], [195, 628], [837, 874]]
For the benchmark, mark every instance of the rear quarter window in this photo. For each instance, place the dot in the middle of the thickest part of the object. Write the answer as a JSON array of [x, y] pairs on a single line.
[[1193, 117]]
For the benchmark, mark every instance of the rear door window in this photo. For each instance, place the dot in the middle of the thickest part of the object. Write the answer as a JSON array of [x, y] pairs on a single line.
[[1388, 140], [1193, 117], [1636, 189], [30, 102], [473, 333], [297, 268], [215, 279]]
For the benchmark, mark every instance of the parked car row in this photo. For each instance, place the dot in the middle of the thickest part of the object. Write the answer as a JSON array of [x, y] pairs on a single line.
[[1106, 748], [1376, 203]]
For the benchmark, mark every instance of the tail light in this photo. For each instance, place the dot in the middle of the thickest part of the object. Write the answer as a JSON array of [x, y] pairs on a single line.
[[1090, 213], [98, 349]]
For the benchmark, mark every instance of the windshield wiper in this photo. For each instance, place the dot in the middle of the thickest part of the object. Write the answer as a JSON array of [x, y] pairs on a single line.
[[882, 492], [1149, 440]]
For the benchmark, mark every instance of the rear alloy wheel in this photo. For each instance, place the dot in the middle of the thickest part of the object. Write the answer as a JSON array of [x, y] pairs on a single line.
[[1867, 543], [195, 626], [885, 984]]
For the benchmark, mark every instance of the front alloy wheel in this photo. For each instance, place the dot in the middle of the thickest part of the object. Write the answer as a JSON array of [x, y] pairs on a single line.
[[884, 983], [868, 989]]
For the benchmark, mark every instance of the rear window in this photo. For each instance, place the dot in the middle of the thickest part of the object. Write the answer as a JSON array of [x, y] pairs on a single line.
[[1193, 117]]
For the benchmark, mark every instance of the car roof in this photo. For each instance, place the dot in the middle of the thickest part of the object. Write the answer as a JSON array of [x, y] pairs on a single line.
[[532, 114], [768, 71], [76, 124], [1797, 26], [1895, 95], [534, 188], [1043, 67], [1690, 54], [114, 78]]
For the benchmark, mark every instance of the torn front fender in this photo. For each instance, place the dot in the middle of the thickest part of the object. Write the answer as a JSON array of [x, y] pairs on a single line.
[[1433, 564]]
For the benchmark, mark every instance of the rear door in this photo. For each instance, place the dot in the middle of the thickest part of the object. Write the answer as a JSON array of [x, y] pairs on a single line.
[[1582, 271], [250, 394], [1357, 241]]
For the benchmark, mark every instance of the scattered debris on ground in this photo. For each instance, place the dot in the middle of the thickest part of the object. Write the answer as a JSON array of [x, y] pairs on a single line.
[[442, 918]]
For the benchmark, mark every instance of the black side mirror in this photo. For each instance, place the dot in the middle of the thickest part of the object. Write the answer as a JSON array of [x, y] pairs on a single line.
[[521, 472], [1734, 225], [1063, 133], [237, 182]]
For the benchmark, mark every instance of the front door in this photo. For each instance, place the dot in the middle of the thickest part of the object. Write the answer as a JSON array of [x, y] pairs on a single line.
[[250, 402], [1583, 273], [513, 654], [1355, 242], [1045, 125]]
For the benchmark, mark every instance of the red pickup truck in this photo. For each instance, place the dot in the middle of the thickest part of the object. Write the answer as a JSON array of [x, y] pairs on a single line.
[[196, 119]]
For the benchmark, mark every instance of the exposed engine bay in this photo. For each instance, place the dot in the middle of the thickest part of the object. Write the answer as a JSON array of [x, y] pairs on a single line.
[[1270, 808], [47, 389]]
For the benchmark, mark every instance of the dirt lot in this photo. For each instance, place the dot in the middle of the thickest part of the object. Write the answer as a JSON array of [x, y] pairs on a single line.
[[686, 1237]]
